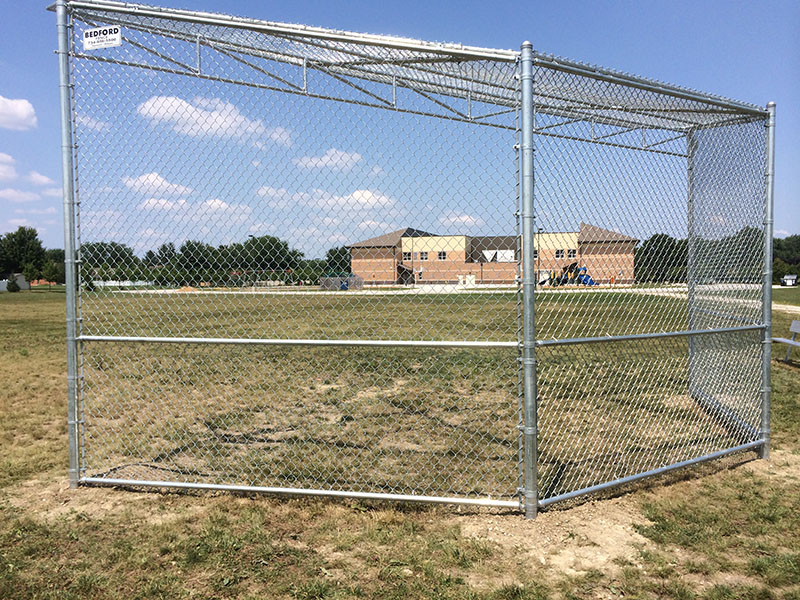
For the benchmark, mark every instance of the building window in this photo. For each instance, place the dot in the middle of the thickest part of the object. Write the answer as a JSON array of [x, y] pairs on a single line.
[[406, 256], [572, 253], [535, 253], [559, 254], [442, 254], [423, 256]]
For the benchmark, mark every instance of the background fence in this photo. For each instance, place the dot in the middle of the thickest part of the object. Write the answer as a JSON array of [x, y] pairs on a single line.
[[305, 261]]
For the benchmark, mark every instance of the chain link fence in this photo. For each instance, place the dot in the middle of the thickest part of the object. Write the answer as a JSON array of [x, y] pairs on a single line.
[[302, 266]]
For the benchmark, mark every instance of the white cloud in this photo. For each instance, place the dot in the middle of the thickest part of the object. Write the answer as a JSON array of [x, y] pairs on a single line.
[[359, 199], [460, 219], [52, 210], [17, 114], [53, 192], [37, 178], [369, 224], [336, 160], [377, 171], [162, 204], [781, 232], [90, 123], [17, 195], [154, 184], [236, 214], [7, 169], [281, 136], [261, 227], [205, 117], [19, 222]]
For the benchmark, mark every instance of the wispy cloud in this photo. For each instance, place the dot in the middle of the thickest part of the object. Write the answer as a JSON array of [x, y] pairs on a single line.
[[20, 222], [153, 184], [8, 171], [359, 199], [53, 192], [17, 114], [51, 210], [781, 232], [369, 224], [207, 117], [13, 195], [37, 178], [163, 204], [93, 124], [460, 219], [333, 159]]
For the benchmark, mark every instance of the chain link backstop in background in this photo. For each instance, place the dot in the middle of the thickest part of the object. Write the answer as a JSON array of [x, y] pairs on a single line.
[[320, 262]]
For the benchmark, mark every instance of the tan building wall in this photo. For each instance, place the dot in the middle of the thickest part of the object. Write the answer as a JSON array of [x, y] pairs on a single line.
[[609, 261], [374, 265], [455, 244], [604, 261]]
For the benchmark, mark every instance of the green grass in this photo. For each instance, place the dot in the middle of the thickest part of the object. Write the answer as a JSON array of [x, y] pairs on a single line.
[[788, 295], [715, 534]]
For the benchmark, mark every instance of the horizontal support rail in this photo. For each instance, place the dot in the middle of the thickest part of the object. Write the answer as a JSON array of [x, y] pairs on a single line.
[[299, 342], [646, 336], [250, 489], [457, 51], [575, 68], [631, 478]]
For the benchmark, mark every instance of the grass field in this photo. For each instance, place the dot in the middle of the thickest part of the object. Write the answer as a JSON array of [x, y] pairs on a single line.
[[787, 295], [728, 530]]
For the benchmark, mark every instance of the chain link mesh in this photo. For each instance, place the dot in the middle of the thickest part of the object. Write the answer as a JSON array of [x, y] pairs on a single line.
[[272, 198]]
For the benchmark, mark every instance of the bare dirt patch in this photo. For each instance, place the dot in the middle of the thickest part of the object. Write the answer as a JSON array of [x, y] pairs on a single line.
[[51, 498], [786, 308], [783, 464], [583, 538]]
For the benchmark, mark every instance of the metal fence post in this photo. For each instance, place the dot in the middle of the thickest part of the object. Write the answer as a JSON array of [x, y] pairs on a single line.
[[528, 283], [62, 20], [766, 351]]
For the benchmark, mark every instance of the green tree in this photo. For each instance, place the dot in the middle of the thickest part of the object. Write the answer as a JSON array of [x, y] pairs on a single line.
[[31, 272], [267, 254], [779, 269], [660, 258], [19, 248], [55, 255], [337, 261], [166, 255], [51, 273], [107, 261], [787, 249]]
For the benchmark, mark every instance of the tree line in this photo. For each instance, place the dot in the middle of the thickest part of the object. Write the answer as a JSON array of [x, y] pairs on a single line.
[[786, 253], [664, 259], [659, 259], [262, 258], [21, 251]]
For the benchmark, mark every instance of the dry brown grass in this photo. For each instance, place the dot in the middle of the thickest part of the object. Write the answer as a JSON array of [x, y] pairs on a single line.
[[714, 533]]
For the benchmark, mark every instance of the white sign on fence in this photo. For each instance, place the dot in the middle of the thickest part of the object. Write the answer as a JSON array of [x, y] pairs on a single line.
[[102, 37]]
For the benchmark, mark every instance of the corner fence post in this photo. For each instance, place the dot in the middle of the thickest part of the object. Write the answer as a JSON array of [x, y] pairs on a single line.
[[766, 346], [528, 283], [64, 85]]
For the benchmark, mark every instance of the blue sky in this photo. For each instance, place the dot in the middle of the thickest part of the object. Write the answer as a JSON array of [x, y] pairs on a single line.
[[744, 50]]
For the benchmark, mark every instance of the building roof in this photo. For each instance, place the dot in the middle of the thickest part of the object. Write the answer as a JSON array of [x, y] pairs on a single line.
[[592, 233], [493, 242], [388, 240]]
